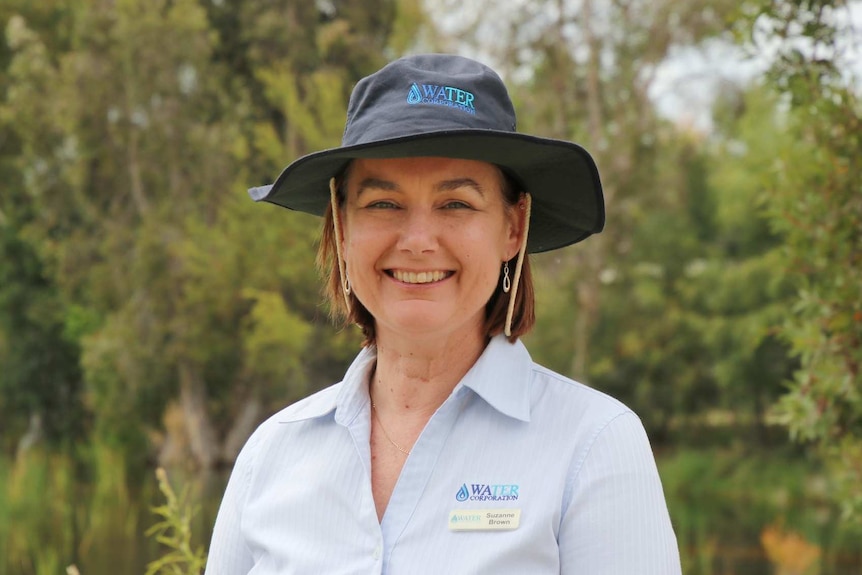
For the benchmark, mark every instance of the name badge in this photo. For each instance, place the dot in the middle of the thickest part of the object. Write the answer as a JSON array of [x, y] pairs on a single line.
[[484, 519]]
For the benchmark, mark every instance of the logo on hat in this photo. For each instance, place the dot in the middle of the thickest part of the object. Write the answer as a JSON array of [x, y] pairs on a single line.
[[442, 96]]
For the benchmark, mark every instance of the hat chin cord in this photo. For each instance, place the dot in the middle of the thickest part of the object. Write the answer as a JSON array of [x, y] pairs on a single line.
[[336, 223], [345, 285], [507, 330]]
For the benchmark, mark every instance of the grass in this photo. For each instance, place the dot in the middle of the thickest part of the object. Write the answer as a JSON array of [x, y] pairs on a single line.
[[174, 531]]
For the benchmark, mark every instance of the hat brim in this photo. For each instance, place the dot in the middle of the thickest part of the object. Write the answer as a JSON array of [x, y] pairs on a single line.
[[563, 179]]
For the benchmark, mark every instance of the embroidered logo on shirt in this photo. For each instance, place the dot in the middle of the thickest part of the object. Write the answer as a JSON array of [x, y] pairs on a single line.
[[487, 492]]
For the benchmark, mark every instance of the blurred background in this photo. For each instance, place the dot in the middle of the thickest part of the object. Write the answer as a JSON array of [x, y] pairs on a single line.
[[152, 315]]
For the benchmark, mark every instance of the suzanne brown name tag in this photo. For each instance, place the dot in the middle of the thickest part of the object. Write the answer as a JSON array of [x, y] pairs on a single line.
[[484, 519]]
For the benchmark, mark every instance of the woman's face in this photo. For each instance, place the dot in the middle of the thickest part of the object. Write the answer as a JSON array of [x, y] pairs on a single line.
[[424, 242]]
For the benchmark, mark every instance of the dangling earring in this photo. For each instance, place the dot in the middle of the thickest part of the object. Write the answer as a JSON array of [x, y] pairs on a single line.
[[507, 283], [342, 268], [528, 203]]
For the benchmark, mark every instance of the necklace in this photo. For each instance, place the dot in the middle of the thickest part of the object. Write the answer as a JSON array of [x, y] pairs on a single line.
[[383, 429]]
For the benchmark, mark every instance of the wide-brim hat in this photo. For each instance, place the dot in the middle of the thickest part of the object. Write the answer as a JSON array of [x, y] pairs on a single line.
[[440, 105]]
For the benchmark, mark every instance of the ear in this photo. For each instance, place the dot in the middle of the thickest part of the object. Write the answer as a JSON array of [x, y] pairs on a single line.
[[336, 184], [517, 220], [337, 219], [342, 226]]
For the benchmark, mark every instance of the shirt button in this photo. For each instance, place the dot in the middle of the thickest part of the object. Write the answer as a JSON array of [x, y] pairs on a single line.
[[377, 552]]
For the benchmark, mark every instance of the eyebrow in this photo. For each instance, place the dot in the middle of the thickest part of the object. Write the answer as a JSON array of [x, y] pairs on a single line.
[[444, 186], [449, 185], [376, 184]]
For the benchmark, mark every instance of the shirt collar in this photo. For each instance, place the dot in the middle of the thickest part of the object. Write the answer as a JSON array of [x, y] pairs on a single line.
[[346, 398], [353, 397], [500, 376]]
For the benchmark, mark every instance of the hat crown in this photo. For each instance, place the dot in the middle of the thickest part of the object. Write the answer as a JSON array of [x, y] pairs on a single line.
[[427, 93]]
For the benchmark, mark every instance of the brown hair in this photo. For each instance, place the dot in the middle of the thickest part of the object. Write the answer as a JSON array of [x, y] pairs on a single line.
[[523, 318]]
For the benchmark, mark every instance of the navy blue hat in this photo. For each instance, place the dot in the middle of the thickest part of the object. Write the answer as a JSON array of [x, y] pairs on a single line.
[[454, 107]]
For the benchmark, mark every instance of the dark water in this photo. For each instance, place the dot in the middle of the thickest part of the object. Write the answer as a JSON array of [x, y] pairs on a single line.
[[52, 517], [128, 549]]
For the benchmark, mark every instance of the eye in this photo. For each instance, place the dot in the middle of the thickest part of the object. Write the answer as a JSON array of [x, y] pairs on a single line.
[[456, 205], [382, 205]]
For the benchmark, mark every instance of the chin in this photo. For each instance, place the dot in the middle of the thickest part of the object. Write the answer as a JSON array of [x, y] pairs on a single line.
[[423, 320], [418, 324]]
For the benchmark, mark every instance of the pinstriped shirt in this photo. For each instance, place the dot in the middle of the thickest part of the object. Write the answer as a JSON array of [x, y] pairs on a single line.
[[569, 468]]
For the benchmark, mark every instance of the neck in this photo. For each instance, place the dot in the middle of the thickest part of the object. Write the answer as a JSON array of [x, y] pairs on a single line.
[[415, 378]]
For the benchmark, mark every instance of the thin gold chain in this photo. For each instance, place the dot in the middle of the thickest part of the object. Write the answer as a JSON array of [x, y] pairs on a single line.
[[383, 429]]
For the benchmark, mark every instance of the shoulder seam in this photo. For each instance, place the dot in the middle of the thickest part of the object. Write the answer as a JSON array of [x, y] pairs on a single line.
[[572, 383], [578, 462], [250, 457]]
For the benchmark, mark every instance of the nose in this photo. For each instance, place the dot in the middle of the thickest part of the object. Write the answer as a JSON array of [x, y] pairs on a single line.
[[418, 232]]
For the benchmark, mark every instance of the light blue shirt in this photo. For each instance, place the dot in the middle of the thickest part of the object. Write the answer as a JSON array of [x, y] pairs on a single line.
[[513, 439]]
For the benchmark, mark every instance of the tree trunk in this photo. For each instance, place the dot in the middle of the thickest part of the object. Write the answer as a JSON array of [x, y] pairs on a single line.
[[590, 257], [245, 422], [588, 311], [193, 400]]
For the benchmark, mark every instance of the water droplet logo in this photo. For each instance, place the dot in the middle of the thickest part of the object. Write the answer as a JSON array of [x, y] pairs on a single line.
[[463, 493], [414, 96]]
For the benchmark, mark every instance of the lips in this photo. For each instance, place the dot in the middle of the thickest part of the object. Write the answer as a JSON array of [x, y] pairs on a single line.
[[425, 277]]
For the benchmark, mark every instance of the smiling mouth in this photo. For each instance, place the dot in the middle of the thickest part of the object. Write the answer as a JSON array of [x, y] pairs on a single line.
[[419, 277]]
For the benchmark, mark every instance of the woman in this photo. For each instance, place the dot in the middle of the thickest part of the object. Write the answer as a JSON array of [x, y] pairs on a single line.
[[444, 449]]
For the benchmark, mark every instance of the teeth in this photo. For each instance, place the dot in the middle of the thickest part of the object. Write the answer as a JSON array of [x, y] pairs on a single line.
[[418, 278]]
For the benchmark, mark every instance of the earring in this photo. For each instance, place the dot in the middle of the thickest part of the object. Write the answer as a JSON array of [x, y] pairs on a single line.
[[507, 283], [342, 268], [528, 203]]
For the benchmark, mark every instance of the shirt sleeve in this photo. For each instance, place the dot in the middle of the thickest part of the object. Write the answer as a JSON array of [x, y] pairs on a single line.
[[228, 552], [617, 521]]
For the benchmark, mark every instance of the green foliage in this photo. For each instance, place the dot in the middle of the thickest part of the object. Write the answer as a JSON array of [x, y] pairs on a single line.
[[40, 381], [307, 107], [174, 531], [275, 340], [690, 299], [134, 133], [672, 307], [813, 202]]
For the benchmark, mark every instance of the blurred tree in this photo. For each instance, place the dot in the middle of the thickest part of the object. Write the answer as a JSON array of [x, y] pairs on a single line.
[[115, 177], [687, 335], [626, 309], [137, 131], [672, 308], [813, 201], [593, 67], [40, 381], [741, 291]]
